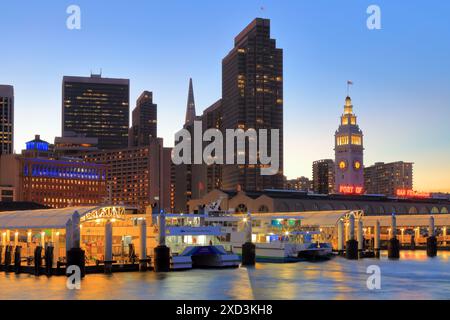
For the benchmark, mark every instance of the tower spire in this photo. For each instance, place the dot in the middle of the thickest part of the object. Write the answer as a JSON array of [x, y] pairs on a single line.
[[190, 109]]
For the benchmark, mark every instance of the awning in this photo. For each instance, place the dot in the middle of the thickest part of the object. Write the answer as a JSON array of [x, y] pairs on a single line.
[[413, 220], [326, 218], [55, 218]]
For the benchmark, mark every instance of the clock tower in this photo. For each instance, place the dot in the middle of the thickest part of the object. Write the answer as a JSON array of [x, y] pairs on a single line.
[[349, 153]]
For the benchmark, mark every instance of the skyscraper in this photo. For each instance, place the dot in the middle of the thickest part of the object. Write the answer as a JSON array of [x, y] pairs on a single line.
[[252, 97], [187, 176], [212, 173], [349, 153], [190, 109], [6, 119], [97, 107], [134, 175], [387, 178], [323, 176], [144, 121]]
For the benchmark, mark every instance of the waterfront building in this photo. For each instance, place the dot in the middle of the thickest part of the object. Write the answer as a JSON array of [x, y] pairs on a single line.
[[58, 183], [6, 119], [144, 121], [252, 97], [38, 176], [30, 226], [299, 184], [323, 176], [301, 201], [135, 175], [97, 107], [387, 178], [349, 148]]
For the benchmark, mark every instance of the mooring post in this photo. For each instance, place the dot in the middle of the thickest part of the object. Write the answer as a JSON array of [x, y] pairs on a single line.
[[248, 248], [8, 253], [431, 240], [143, 246], [37, 260], [393, 244], [75, 255], [341, 236], [108, 247], [162, 252], [376, 243], [48, 257], [351, 247], [17, 259]]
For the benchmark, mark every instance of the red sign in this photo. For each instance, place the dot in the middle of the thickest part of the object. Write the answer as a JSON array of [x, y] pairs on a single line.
[[349, 189], [408, 193]]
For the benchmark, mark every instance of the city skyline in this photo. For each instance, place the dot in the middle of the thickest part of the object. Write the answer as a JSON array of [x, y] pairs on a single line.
[[310, 116]]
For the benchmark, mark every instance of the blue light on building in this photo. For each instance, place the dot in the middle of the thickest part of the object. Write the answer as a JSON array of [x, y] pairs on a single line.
[[37, 144], [62, 169]]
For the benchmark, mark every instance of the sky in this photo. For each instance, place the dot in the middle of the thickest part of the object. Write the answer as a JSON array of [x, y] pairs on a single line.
[[401, 73]]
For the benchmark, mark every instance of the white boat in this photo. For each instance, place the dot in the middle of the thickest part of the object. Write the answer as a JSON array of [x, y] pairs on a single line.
[[204, 257], [291, 247], [196, 246], [278, 237]]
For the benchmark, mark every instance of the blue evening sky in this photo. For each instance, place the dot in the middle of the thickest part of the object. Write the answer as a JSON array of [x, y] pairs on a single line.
[[401, 73]]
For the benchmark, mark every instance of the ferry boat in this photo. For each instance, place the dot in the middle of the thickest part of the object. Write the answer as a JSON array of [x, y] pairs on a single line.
[[195, 246], [278, 237]]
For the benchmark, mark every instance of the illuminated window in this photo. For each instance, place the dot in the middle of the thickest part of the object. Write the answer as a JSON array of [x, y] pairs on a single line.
[[356, 140], [342, 140]]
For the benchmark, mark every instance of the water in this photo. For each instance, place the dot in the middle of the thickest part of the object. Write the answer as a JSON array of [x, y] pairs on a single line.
[[413, 277]]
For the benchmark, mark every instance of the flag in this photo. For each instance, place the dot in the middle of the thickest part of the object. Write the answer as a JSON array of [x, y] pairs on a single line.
[[349, 82]]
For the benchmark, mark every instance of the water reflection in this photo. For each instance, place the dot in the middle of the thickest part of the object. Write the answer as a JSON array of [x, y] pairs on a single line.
[[414, 276]]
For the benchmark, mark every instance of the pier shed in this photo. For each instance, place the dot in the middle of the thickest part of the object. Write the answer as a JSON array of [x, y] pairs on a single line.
[[103, 232]]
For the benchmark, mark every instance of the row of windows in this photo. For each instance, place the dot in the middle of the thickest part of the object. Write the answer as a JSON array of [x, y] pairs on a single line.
[[61, 188], [352, 120], [344, 140], [54, 182]]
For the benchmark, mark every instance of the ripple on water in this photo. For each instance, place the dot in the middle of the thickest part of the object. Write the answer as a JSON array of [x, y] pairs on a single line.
[[414, 276]]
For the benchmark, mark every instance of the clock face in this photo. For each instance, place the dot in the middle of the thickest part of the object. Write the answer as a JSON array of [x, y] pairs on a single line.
[[342, 165], [357, 165]]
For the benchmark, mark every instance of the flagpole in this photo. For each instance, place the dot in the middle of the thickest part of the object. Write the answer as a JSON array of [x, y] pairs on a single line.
[[349, 83]]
